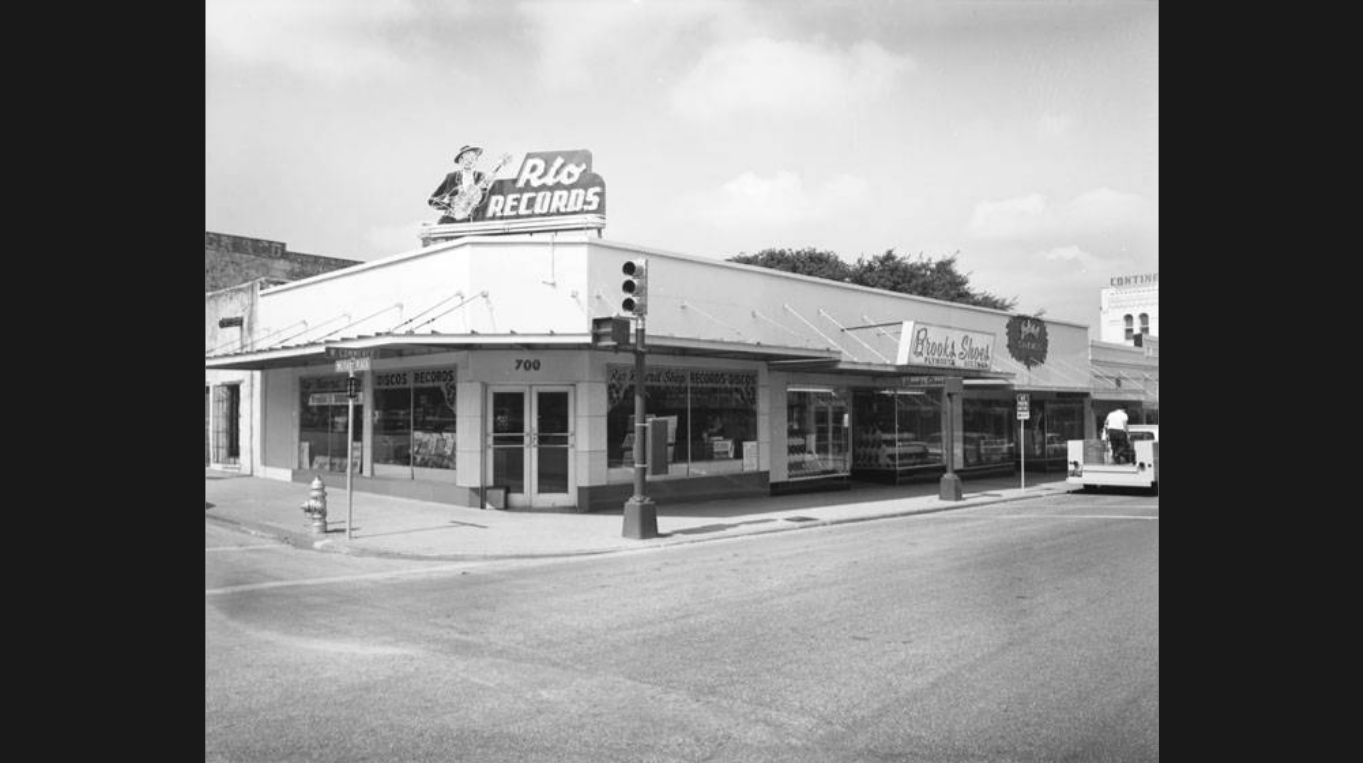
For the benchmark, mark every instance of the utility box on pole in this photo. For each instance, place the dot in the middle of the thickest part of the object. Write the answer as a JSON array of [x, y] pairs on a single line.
[[657, 447]]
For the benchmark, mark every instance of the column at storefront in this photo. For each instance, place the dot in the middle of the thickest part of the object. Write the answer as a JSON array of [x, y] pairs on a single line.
[[470, 439], [592, 440]]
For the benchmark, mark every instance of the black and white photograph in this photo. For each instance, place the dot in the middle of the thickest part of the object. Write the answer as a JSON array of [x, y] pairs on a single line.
[[610, 381]]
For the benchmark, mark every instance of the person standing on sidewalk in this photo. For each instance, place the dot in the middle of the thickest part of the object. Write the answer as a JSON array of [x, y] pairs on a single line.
[[1114, 431]]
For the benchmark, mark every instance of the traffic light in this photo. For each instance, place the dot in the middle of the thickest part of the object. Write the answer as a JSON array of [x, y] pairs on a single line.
[[635, 287], [352, 387]]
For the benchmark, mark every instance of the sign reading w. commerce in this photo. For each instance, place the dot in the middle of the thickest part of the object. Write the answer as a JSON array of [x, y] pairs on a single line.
[[924, 344], [548, 184]]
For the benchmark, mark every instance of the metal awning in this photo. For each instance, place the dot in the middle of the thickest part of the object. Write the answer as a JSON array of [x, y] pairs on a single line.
[[394, 345]]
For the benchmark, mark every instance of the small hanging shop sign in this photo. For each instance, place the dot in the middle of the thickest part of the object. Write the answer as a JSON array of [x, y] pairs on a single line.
[[1027, 340]]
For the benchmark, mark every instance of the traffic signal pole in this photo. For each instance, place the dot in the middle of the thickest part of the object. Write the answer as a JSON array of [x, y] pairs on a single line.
[[641, 514], [350, 457]]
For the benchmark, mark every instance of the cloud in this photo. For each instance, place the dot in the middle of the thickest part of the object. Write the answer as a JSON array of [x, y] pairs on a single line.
[[335, 40], [1100, 212], [781, 199], [1005, 218], [785, 78], [580, 43], [1068, 255]]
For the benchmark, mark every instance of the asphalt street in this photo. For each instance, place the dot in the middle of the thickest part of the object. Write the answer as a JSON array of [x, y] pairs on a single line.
[[1025, 631]]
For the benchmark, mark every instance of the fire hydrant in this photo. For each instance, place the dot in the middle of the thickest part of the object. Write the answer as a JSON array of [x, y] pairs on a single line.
[[316, 506]]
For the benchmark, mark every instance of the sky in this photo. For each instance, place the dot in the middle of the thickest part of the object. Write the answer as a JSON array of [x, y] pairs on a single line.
[[1020, 136]]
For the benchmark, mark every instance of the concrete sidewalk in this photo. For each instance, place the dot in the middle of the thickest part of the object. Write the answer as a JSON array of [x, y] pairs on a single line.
[[405, 528]]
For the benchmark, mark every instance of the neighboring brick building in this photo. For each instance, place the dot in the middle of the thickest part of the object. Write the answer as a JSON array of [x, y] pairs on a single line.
[[236, 268], [234, 260]]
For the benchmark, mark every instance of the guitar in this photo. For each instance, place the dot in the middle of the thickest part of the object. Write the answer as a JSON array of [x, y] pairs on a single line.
[[462, 205]]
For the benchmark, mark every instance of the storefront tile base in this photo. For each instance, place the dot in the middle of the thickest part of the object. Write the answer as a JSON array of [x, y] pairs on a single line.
[[817, 484], [436, 492], [612, 497], [929, 474]]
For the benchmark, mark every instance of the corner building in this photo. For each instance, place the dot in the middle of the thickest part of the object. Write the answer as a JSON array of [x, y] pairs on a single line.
[[485, 389]]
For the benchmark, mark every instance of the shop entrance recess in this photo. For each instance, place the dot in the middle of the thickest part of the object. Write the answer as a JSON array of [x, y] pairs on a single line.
[[531, 439]]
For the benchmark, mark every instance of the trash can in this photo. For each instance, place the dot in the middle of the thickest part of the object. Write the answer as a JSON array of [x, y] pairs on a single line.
[[494, 497]]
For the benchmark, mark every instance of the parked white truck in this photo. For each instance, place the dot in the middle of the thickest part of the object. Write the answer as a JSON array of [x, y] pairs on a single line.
[[1091, 463]]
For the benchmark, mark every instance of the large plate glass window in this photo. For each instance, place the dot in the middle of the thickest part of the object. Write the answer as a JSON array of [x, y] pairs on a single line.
[[414, 422], [710, 417], [433, 420], [322, 424], [897, 429], [1053, 423], [817, 443], [987, 430]]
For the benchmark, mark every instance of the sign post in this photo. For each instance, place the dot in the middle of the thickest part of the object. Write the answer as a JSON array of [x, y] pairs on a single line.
[[1024, 413], [351, 389], [350, 361]]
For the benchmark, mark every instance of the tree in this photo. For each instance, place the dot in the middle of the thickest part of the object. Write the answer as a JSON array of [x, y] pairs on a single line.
[[808, 262], [920, 276]]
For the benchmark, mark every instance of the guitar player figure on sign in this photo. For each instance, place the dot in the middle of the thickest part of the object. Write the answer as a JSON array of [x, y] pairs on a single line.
[[462, 191]]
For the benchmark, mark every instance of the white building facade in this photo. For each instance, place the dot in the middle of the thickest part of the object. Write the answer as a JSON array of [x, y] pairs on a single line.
[[483, 378], [1128, 307]]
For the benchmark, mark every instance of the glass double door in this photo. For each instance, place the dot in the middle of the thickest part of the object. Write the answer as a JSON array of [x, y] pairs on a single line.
[[530, 439]]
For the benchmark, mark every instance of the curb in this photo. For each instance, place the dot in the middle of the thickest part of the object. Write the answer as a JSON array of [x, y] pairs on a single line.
[[309, 542]]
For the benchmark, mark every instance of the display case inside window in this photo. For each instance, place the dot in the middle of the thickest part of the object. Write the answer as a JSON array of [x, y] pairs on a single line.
[[817, 433], [433, 427], [323, 421], [897, 429]]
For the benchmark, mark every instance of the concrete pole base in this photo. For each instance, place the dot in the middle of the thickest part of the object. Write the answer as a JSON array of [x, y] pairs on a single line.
[[950, 488], [641, 519]]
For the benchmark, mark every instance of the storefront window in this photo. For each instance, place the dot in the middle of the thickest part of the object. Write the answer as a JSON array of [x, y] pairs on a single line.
[[414, 418], [897, 429], [985, 430], [816, 433], [711, 418], [393, 426], [723, 421], [433, 426], [1055, 423], [322, 424]]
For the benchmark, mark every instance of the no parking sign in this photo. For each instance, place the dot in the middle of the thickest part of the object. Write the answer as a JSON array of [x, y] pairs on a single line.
[[1024, 406]]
